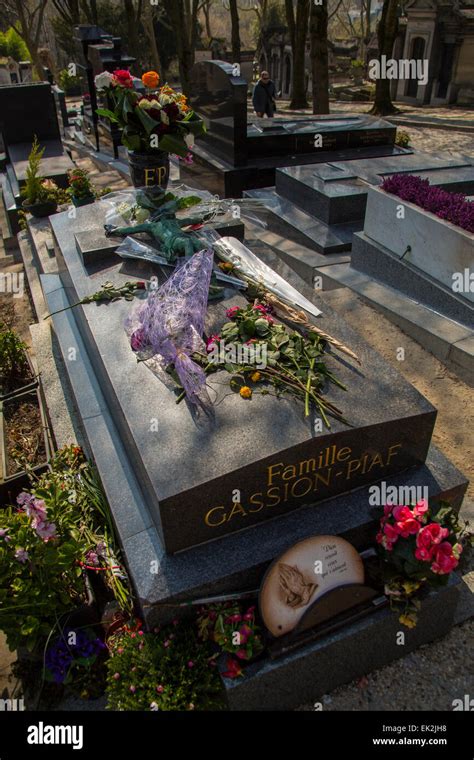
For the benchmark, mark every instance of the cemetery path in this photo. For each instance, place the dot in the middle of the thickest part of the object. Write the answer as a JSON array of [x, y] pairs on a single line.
[[443, 139]]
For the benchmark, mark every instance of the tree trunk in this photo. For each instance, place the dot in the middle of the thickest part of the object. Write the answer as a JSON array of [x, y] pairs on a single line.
[[319, 57], [149, 28], [234, 16], [206, 8], [183, 17], [31, 32], [132, 28], [387, 34], [298, 28]]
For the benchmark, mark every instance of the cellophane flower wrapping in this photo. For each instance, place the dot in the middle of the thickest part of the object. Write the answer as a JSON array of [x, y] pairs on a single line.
[[168, 327]]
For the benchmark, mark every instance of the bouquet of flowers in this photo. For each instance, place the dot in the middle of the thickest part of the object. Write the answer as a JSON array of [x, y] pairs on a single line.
[[157, 119], [418, 545], [261, 353], [234, 630]]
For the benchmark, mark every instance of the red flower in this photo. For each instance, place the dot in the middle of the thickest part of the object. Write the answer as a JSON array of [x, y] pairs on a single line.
[[232, 312], [211, 341], [233, 669], [241, 654], [431, 534], [445, 561], [123, 77]]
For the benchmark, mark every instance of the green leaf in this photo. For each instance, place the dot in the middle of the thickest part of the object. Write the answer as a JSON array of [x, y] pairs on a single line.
[[108, 113], [173, 144], [148, 123]]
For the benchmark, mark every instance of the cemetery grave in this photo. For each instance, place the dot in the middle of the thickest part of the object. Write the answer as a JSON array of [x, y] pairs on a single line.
[[236, 480]]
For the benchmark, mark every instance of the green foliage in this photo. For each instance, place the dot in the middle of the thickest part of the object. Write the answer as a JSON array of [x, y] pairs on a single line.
[[67, 82], [167, 670], [13, 362], [80, 185], [12, 45], [402, 139], [33, 190], [357, 64], [63, 524]]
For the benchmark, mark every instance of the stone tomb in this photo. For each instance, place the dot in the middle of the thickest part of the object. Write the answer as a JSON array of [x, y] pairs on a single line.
[[419, 254], [241, 151], [193, 470], [322, 205], [265, 448]]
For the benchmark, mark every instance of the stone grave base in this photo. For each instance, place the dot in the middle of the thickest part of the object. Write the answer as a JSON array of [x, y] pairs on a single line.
[[376, 260], [308, 673]]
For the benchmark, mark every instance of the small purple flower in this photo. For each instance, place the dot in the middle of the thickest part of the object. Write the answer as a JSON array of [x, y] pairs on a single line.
[[22, 555], [92, 558], [45, 530]]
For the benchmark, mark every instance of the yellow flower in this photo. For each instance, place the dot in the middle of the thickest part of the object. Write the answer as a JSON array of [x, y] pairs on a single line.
[[255, 377], [151, 79], [246, 392], [409, 622]]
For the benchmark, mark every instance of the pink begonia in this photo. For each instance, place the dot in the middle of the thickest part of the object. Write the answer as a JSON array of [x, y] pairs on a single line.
[[445, 561], [420, 508]]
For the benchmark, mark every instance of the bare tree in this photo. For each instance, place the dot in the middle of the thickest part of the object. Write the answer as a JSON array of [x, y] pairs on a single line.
[[234, 16], [183, 15], [133, 13], [26, 17], [149, 29], [69, 11], [318, 30], [387, 33], [298, 29], [206, 9]]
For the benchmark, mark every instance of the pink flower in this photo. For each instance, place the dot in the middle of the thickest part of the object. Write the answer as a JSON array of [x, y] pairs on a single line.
[[234, 618], [92, 558], [245, 632], [407, 527], [116, 676], [431, 534], [420, 508], [166, 644], [445, 561], [425, 555], [4, 534], [402, 513], [140, 633], [22, 555], [190, 664], [175, 622], [390, 532], [160, 689], [120, 650], [241, 654], [232, 312], [136, 341], [260, 307], [211, 341], [248, 616], [45, 530], [133, 689]]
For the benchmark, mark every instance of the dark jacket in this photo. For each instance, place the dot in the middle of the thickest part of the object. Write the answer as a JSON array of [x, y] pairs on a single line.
[[264, 98]]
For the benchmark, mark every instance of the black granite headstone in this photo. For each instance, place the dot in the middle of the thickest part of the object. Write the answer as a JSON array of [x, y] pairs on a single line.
[[220, 98]]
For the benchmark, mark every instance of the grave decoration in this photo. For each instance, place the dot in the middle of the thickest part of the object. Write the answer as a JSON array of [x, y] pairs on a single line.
[[165, 328], [153, 124], [316, 583], [419, 546]]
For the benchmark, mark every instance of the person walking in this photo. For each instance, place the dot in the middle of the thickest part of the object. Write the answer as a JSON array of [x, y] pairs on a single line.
[[264, 96]]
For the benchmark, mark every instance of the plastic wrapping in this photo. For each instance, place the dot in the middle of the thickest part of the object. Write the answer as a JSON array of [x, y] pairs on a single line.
[[168, 327]]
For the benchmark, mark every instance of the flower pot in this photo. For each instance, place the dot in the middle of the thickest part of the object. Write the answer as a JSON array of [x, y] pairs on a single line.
[[149, 169], [13, 410], [82, 201], [40, 210]]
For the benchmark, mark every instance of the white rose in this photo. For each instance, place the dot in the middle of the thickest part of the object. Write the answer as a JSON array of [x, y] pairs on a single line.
[[104, 80], [189, 140], [165, 118]]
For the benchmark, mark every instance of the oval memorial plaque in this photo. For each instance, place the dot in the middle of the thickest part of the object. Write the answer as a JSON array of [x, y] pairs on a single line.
[[301, 575]]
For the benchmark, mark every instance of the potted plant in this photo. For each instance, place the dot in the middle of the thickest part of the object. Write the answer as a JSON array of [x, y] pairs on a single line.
[[40, 195], [155, 123], [69, 83], [16, 371], [357, 67], [80, 187]]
